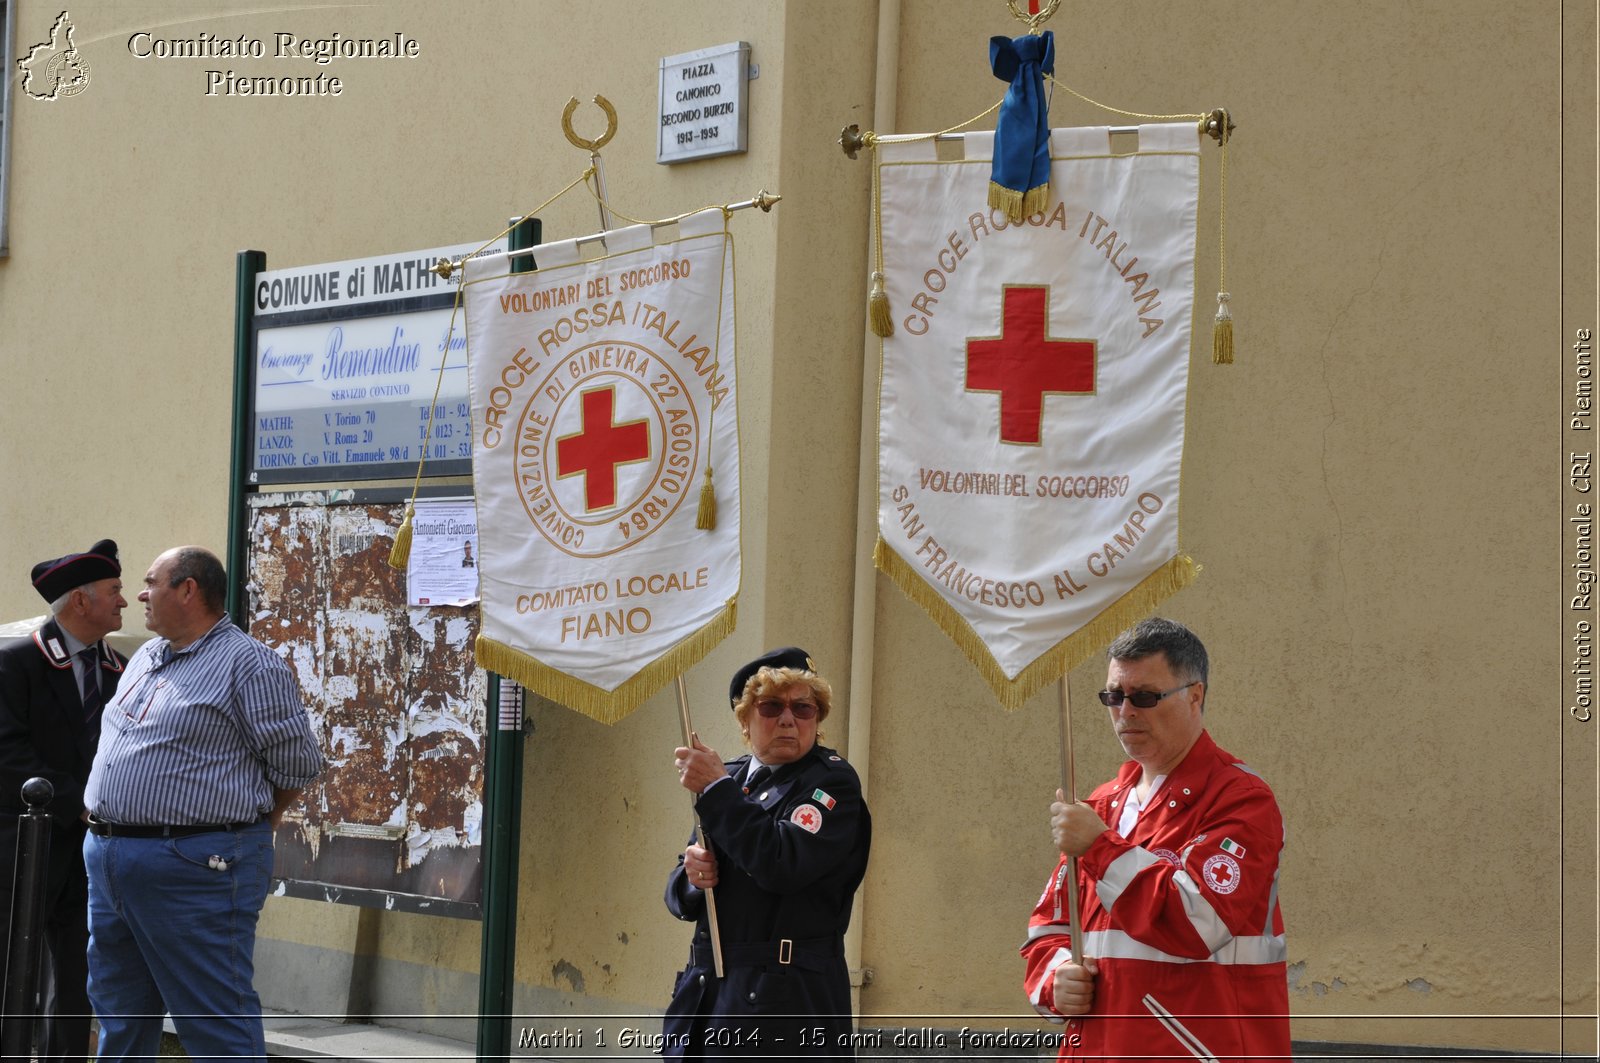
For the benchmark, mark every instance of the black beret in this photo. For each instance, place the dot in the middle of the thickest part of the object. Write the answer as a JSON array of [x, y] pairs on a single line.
[[54, 578], [787, 657]]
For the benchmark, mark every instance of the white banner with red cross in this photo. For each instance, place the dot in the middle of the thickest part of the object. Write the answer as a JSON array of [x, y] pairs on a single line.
[[603, 402], [1032, 397]]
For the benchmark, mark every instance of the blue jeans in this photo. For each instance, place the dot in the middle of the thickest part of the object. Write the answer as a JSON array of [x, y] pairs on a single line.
[[169, 933]]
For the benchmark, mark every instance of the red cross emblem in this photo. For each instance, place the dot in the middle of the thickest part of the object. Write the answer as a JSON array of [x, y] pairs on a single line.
[[1221, 873], [807, 818], [1023, 364], [601, 445]]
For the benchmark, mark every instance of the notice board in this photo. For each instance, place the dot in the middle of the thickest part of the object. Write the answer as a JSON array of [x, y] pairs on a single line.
[[397, 703]]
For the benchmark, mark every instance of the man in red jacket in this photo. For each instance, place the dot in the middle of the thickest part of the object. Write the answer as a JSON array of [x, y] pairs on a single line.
[[1183, 947]]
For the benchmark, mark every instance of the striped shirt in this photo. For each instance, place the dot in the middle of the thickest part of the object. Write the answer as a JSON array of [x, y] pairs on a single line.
[[201, 735]]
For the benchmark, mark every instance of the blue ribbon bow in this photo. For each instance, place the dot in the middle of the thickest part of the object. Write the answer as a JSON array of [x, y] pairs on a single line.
[[1019, 181]]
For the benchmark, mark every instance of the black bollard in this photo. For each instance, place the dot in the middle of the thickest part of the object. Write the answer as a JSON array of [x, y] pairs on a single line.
[[27, 922]]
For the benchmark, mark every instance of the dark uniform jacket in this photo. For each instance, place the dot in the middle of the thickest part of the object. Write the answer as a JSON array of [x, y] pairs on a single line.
[[43, 732], [790, 855]]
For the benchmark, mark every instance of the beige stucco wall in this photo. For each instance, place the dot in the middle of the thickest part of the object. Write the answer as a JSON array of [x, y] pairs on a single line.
[[1374, 490]]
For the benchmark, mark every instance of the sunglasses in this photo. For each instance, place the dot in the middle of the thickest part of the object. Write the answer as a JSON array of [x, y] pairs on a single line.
[[1139, 699], [772, 708]]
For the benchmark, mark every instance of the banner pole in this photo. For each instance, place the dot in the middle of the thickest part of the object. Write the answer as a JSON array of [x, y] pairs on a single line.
[[711, 895], [605, 215], [1069, 786]]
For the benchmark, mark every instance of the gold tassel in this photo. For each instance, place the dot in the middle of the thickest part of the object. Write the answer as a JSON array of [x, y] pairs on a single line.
[[400, 552], [1222, 333], [878, 307], [706, 518]]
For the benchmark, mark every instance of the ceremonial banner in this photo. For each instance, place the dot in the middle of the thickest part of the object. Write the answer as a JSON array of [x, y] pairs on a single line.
[[602, 398], [1032, 396]]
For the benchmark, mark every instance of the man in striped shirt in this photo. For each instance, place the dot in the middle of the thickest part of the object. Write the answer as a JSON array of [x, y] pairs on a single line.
[[204, 745]]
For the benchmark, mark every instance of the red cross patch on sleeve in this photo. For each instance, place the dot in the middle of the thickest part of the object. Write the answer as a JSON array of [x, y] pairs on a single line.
[[807, 817], [1221, 873]]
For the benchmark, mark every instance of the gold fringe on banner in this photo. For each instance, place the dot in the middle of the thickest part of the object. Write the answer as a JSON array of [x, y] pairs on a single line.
[[1018, 205], [608, 707], [1061, 658]]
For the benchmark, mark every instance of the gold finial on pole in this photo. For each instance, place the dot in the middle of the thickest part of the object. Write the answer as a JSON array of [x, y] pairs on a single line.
[[1041, 13], [603, 139], [594, 147], [1218, 125], [763, 199], [851, 139]]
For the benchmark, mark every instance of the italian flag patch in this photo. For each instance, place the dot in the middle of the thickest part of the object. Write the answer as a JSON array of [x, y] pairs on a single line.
[[822, 798], [1232, 847]]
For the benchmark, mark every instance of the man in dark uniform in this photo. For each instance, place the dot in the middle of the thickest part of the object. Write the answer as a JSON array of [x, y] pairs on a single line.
[[53, 685], [787, 838]]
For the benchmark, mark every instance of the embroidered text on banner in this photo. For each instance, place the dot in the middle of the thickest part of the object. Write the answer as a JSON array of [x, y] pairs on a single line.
[[1032, 398], [601, 390]]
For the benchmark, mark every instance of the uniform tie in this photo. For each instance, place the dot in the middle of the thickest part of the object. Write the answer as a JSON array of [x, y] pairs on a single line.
[[757, 777], [93, 700]]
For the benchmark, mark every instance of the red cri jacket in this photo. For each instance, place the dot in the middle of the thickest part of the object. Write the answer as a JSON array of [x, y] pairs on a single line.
[[1182, 916]]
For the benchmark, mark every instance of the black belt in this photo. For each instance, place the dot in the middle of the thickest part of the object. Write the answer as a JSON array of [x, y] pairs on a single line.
[[812, 954], [143, 830]]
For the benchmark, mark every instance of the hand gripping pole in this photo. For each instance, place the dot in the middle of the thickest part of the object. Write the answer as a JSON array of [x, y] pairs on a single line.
[[1069, 786], [711, 894]]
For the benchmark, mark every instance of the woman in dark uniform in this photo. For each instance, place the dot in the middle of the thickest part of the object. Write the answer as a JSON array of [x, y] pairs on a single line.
[[788, 838]]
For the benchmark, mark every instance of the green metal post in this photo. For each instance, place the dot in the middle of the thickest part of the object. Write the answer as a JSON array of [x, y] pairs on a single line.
[[249, 264], [502, 828], [502, 824]]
